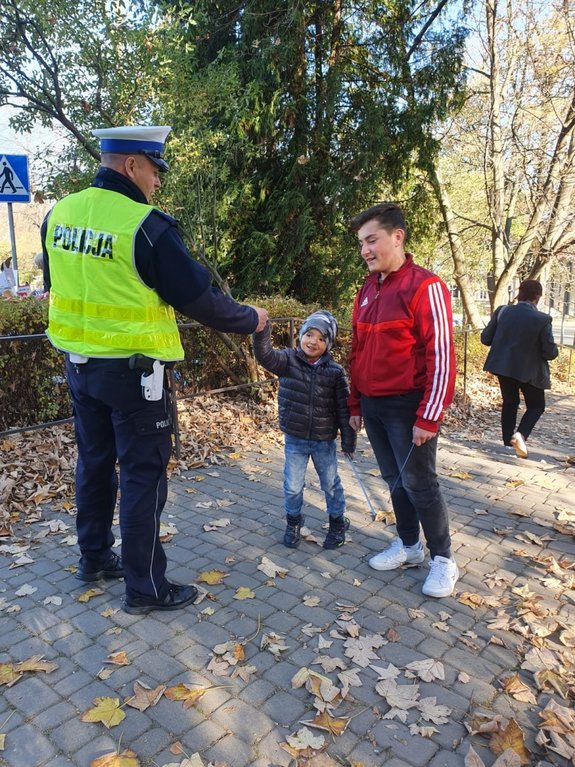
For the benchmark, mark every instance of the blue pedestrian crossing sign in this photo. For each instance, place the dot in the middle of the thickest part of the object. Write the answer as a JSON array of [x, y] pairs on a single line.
[[14, 180]]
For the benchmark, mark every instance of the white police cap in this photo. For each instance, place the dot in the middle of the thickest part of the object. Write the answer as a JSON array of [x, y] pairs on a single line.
[[136, 139]]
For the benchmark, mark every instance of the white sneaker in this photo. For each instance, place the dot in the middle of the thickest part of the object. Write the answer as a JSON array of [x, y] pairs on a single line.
[[518, 443], [398, 554], [443, 575]]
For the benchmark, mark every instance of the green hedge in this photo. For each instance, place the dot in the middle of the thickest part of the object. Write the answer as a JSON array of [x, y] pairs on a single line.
[[32, 384], [33, 389], [32, 376]]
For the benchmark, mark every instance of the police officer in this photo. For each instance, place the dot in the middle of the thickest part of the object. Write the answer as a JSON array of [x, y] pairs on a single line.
[[116, 268]]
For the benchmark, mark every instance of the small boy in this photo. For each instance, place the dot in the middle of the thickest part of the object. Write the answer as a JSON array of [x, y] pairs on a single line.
[[312, 403]]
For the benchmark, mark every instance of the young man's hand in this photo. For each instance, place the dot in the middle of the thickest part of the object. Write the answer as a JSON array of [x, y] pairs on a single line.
[[420, 436], [355, 422]]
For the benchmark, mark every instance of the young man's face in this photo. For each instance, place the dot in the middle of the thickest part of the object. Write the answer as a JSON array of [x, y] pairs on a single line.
[[381, 250], [313, 344]]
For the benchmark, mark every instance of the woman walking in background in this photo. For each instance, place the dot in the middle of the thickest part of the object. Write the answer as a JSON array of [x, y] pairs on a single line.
[[521, 341]]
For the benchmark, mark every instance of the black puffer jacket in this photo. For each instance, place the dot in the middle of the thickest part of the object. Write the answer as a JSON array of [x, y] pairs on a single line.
[[312, 399]]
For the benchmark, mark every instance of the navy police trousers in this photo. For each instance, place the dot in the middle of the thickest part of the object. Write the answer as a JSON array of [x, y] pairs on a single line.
[[114, 424]]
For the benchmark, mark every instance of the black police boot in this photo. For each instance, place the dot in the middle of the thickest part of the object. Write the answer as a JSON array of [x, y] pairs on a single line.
[[91, 570], [292, 535], [176, 598], [336, 534]]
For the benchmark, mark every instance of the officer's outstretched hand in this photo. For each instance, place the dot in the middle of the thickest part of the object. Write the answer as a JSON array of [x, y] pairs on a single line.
[[262, 318]]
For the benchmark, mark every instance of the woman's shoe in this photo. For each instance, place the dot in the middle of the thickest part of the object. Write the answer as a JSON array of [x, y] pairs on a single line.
[[518, 443]]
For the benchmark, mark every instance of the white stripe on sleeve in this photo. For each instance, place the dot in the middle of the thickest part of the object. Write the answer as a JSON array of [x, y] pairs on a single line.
[[440, 317]]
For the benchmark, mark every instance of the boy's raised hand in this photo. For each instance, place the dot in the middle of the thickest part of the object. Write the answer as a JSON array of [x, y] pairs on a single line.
[[262, 318]]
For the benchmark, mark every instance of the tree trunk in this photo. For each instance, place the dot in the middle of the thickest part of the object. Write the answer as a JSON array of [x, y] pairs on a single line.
[[470, 311], [495, 167]]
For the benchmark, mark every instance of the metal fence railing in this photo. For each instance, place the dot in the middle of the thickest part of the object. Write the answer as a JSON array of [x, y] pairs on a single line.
[[463, 374]]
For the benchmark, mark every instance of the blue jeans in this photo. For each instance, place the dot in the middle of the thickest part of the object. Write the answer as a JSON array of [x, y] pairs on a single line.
[[323, 455], [417, 498]]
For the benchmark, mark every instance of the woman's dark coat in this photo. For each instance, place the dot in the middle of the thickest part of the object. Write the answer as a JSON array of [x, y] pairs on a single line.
[[521, 341]]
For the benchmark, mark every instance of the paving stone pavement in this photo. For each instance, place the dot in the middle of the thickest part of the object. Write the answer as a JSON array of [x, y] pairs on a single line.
[[503, 514]]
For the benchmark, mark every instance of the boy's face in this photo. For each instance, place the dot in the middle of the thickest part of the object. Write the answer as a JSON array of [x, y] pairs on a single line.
[[313, 344]]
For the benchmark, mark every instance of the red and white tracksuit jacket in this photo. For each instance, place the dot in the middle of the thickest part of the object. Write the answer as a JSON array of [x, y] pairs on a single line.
[[402, 341]]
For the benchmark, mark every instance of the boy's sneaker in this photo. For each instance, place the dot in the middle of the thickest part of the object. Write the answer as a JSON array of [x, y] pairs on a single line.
[[397, 555], [292, 535], [518, 442], [336, 533], [443, 575]]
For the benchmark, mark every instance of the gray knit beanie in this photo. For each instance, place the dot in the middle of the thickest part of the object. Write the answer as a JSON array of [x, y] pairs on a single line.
[[323, 321]]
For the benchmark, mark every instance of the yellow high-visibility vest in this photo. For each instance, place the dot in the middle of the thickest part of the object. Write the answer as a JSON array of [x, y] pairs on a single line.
[[99, 306]]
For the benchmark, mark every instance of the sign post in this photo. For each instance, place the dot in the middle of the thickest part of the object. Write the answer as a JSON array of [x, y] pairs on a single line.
[[14, 187]]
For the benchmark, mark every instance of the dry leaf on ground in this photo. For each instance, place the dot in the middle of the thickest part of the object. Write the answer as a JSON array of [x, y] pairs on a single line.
[[244, 672], [244, 592], [212, 577], [324, 721], [432, 712], [145, 696], [508, 758], [328, 663], [271, 569], [188, 694], [517, 689], [304, 743], [361, 649], [399, 698], [195, 760], [217, 524], [90, 594], [125, 759], [274, 643], [423, 732], [389, 672], [10, 673], [427, 670], [471, 600], [107, 710], [511, 736], [548, 680], [300, 678], [348, 679]]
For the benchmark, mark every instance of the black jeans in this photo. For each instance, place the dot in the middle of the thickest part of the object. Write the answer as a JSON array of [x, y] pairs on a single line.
[[417, 499], [534, 407]]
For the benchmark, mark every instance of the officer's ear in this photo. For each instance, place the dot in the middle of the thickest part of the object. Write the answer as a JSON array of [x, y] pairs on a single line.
[[130, 165]]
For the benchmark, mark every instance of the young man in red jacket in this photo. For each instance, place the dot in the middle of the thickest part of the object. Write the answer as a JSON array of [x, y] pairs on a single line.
[[402, 371]]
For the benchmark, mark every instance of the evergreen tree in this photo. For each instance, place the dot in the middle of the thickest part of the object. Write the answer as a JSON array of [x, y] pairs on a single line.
[[315, 110]]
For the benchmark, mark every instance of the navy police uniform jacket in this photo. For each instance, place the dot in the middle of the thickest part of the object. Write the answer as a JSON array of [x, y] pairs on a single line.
[[165, 265]]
